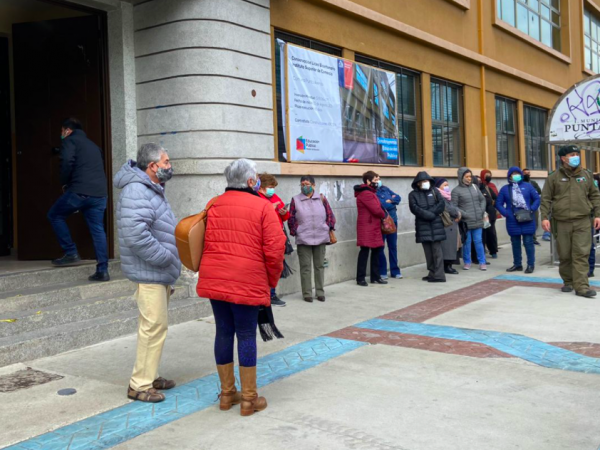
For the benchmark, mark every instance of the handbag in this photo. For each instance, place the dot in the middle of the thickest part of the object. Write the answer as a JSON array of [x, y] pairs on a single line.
[[522, 215], [445, 215], [289, 249], [332, 237], [387, 225], [189, 238]]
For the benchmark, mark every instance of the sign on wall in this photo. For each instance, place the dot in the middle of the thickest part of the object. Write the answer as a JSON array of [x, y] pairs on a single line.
[[338, 110], [576, 116]]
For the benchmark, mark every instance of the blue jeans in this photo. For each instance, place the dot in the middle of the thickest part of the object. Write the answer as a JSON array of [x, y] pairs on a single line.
[[93, 209], [475, 236], [235, 320], [392, 244], [529, 249]]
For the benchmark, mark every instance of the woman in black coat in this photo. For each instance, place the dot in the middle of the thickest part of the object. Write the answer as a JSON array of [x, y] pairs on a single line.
[[490, 238], [427, 205]]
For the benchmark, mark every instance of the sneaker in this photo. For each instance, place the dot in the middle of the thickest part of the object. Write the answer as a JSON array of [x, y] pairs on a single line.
[[384, 277], [482, 267], [276, 301], [398, 277], [588, 294], [467, 266], [495, 256], [67, 260], [536, 242]]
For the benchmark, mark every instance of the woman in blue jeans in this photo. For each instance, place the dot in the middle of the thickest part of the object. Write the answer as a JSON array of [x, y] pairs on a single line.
[[471, 203], [517, 196]]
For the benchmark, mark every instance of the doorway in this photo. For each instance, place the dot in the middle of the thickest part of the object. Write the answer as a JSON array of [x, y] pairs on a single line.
[[58, 69]]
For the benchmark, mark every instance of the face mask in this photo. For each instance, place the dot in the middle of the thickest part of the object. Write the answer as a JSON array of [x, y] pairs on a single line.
[[488, 178], [270, 192], [257, 185], [306, 190], [574, 161], [527, 177], [378, 184], [517, 178], [447, 188], [425, 185], [164, 175], [61, 137], [596, 183]]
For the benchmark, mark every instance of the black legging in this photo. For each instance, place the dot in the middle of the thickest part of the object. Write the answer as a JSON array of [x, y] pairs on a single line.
[[363, 257]]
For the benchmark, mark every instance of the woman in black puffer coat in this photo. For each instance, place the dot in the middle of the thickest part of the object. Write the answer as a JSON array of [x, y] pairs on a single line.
[[427, 205]]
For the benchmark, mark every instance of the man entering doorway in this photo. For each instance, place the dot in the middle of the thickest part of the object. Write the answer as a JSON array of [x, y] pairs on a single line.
[[85, 189]]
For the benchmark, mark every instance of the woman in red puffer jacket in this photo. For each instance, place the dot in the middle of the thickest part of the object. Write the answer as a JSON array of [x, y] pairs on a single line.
[[368, 228], [241, 261]]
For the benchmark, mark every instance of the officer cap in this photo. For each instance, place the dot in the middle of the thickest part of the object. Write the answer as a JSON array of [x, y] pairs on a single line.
[[565, 150]]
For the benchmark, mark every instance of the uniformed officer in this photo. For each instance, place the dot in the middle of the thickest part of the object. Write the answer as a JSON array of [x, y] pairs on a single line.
[[570, 195]]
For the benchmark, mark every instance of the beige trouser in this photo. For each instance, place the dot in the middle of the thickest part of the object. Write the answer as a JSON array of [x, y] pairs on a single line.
[[153, 302]]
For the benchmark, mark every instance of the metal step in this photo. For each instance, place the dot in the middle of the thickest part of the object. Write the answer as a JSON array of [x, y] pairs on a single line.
[[44, 342]]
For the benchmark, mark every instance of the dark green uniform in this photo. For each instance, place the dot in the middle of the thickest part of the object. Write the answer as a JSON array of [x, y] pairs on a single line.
[[572, 198]]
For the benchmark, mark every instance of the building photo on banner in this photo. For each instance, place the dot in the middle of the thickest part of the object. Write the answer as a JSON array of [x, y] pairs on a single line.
[[337, 111]]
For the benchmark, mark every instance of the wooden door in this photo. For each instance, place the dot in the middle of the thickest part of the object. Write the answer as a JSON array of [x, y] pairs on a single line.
[[5, 152], [58, 72]]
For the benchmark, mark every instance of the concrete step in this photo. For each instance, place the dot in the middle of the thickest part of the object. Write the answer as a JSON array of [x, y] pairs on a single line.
[[41, 297], [44, 342], [53, 275], [74, 311]]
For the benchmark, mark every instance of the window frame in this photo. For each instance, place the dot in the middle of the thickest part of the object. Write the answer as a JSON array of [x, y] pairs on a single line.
[[514, 135], [591, 13], [304, 42], [401, 118], [530, 140], [445, 84], [518, 5]]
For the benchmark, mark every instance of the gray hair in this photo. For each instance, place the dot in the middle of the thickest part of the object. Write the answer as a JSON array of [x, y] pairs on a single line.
[[149, 153], [239, 172]]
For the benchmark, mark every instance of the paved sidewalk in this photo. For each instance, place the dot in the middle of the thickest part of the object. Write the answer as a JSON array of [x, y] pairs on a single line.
[[485, 360]]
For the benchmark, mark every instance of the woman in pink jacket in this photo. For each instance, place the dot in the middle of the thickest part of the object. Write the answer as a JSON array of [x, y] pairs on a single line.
[[368, 228]]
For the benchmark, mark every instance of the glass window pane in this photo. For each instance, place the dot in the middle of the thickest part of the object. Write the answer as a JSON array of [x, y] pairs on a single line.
[[508, 11], [438, 145], [534, 4], [546, 33], [588, 42], [534, 25], [556, 4], [595, 63], [522, 19], [556, 18], [588, 59], [409, 143], [545, 12], [586, 23], [594, 31], [556, 38], [408, 95], [436, 109]]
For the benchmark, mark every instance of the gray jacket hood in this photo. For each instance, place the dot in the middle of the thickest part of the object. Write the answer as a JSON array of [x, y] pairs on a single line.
[[130, 173], [461, 173]]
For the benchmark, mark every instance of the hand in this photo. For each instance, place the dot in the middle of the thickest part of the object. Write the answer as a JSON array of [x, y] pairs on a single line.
[[275, 205], [597, 223], [388, 201], [394, 196], [283, 211], [546, 224]]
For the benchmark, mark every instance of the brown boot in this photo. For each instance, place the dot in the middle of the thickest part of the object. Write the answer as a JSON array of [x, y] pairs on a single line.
[[251, 402], [229, 395]]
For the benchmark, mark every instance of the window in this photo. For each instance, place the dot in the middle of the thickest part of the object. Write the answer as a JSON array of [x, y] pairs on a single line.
[[539, 19], [535, 126], [591, 37], [304, 42], [506, 135], [446, 121], [408, 95]]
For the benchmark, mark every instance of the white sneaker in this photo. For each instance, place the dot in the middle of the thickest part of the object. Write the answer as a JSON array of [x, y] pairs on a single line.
[[399, 276], [384, 277]]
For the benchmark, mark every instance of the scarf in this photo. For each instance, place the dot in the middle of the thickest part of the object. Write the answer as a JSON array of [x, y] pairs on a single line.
[[518, 200], [446, 195]]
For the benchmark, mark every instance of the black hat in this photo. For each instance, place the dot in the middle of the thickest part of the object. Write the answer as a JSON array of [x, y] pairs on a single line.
[[564, 151], [439, 182]]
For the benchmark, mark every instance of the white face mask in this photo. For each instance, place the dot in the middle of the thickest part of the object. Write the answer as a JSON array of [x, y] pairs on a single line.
[[425, 185]]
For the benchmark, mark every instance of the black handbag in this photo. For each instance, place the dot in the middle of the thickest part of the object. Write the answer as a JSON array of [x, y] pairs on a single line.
[[522, 215], [289, 249]]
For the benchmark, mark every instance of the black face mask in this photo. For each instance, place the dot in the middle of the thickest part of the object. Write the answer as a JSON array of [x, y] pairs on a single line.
[[526, 177], [488, 178]]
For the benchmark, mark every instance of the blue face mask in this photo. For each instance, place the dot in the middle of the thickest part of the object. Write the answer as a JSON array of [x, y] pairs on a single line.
[[257, 185], [270, 192], [574, 161], [517, 178], [379, 184]]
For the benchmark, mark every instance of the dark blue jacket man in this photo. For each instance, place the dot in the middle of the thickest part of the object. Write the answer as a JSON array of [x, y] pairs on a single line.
[[86, 190], [389, 201]]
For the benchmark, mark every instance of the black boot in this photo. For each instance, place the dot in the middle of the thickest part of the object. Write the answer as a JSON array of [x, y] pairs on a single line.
[[515, 269], [66, 260], [100, 276], [530, 269], [450, 270]]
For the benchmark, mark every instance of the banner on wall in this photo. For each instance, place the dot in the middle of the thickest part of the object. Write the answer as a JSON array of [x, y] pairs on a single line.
[[338, 110]]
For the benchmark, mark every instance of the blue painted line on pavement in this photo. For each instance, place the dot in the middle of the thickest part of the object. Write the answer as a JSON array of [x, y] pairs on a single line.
[[517, 345], [121, 424], [538, 279]]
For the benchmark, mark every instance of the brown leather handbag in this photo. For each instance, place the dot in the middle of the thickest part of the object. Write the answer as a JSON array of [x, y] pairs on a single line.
[[189, 238], [387, 225], [332, 237]]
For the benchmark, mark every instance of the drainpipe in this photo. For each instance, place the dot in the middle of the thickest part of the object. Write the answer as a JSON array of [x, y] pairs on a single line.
[[484, 130]]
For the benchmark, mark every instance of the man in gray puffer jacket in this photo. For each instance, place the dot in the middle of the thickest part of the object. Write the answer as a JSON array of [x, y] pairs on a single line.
[[471, 203], [149, 258]]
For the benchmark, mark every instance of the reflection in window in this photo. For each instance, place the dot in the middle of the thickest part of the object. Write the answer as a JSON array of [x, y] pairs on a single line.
[[408, 120], [506, 132], [535, 126], [539, 19], [446, 118]]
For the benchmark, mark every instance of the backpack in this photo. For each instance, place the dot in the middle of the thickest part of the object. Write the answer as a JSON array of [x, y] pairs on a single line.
[[189, 238]]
